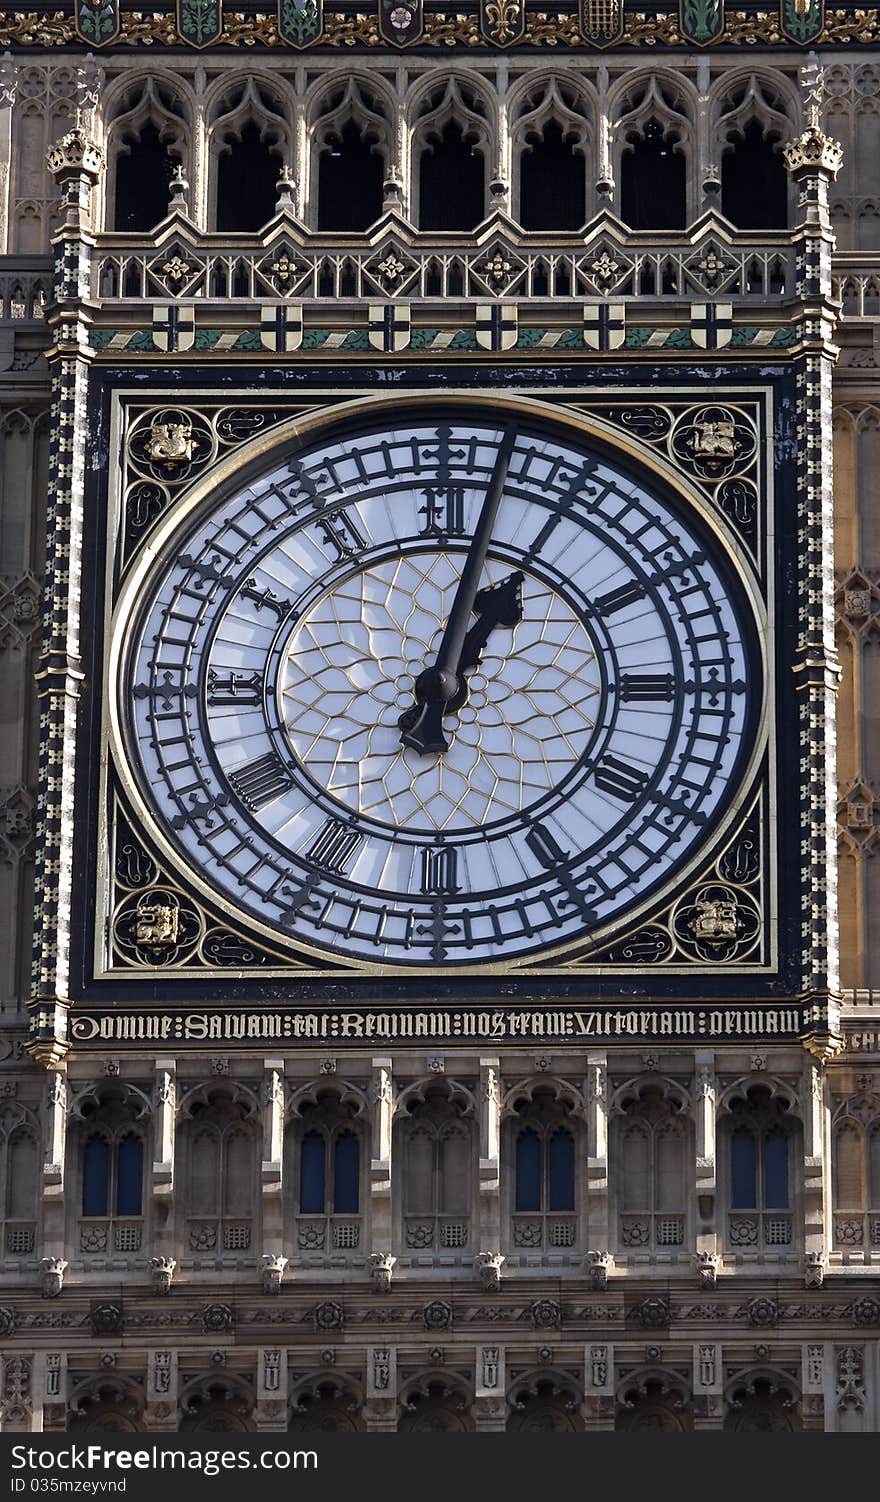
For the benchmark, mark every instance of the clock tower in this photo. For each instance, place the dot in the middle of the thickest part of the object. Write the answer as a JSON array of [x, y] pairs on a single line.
[[445, 995]]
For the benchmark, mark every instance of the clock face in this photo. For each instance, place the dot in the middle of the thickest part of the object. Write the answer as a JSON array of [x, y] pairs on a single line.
[[439, 691]]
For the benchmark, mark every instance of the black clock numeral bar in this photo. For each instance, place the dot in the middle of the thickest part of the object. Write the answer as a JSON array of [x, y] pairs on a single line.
[[234, 688], [549, 853], [342, 534], [265, 599], [647, 686], [619, 599], [440, 870], [258, 782], [545, 847], [620, 779], [443, 511], [334, 846]]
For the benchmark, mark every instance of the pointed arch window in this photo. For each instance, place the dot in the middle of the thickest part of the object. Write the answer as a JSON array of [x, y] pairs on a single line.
[[19, 1180], [329, 1179], [112, 1194], [653, 180], [754, 117], [449, 151], [651, 1142], [436, 1141], [754, 182], [856, 1172], [221, 1147], [350, 173], [143, 182], [552, 183], [544, 1173], [760, 1159], [452, 182], [247, 177], [249, 136], [550, 130], [147, 136], [325, 1153]]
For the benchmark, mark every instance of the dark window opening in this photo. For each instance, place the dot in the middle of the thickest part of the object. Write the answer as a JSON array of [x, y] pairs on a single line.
[[528, 1170], [96, 1176], [311, 1175], [129, 1175], [653, 182], [754, 182], [346, 1167], [143, 182], [350, 174], [743, 1170], [561, 1170], [247, 172], [451, 183], [552, 186]]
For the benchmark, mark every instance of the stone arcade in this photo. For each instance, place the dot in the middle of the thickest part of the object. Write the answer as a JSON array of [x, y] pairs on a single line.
[[439, 917]]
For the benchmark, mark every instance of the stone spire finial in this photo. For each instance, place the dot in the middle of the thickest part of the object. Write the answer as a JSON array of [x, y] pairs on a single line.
[[179, 191], [76, 152]]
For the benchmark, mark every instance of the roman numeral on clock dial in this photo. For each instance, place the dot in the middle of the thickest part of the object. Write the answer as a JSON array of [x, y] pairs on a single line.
[[335, 845], [258, 782]]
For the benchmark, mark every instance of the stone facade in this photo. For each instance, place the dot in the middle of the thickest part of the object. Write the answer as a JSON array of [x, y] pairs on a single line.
[[425, 1299]]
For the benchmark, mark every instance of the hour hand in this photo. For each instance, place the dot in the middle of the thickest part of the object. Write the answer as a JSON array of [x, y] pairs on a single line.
[[440, 692], [496, 605]]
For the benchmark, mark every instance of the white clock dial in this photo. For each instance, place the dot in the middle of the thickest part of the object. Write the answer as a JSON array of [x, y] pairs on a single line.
[[597, 716]]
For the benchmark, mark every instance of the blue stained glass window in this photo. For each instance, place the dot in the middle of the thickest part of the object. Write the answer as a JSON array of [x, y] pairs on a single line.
[[561, 1174], [743, 1170], [311, 1178], [776, 1195], [96, 1175], [129, 1175], [346, 1162], [528, 1170]]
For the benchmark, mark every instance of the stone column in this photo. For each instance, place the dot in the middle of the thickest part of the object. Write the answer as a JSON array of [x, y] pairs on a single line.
[[8, 84], [76, 162], [701, 201], [490, 1403], [598, 1408], [604, 186], [500, 172], [813, 1117], [54, 1151], [164, 1119], [271, 1410], [705, 1098], [380, 1158], [814, 160], [708, 1388], [490, 1155], [380, 1409], [272, 1162], [160, 1412], [598, 1227]]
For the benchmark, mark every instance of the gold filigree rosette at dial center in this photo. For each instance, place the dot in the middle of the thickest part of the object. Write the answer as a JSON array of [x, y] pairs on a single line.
[[349, 672]]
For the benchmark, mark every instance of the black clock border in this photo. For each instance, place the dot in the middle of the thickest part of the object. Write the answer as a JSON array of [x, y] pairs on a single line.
[[636, 986], [370, 429]]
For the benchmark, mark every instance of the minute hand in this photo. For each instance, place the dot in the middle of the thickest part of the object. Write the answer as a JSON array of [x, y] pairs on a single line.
[[422, 726]]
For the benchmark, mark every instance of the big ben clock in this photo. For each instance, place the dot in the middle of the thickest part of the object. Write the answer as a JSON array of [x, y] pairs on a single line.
[[435, 686]]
